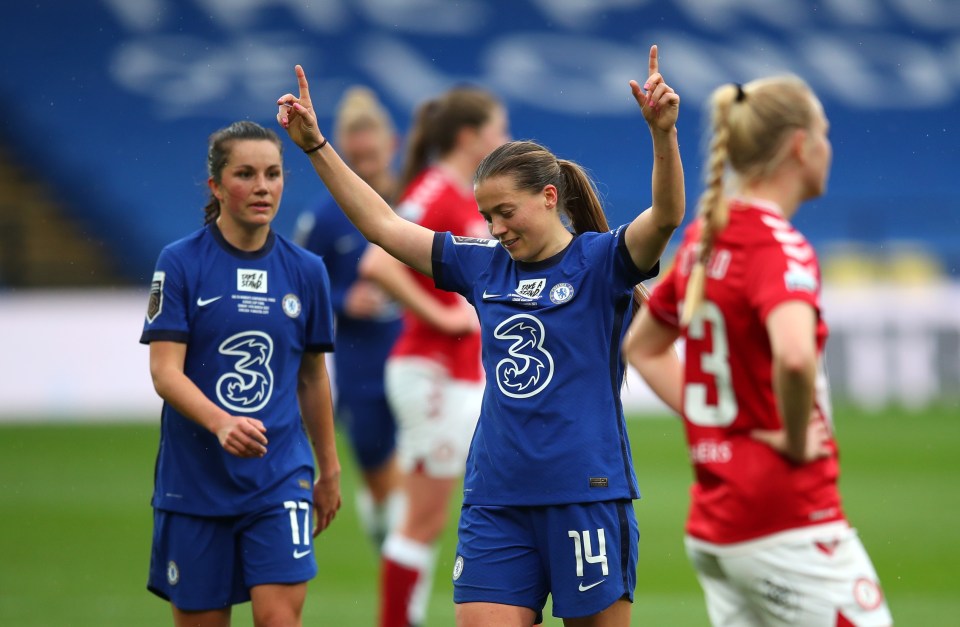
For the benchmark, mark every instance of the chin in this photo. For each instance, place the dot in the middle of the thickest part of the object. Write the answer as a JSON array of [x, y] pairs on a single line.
[[513, 253]]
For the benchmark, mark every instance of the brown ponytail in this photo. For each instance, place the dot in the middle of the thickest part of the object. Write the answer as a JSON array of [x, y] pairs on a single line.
[[437, 124], [532, 167]]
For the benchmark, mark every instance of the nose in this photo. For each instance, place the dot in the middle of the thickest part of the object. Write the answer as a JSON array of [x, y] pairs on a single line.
[[497, 228]]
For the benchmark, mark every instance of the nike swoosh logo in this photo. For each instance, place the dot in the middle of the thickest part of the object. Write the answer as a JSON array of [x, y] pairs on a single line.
[[298, 554], [485, 295], [584, 588], [203, 302]]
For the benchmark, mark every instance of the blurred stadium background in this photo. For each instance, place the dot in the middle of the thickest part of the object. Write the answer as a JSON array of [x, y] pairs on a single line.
[[106, 107]]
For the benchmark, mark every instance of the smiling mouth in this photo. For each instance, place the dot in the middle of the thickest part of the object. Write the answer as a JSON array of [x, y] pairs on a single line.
[[507, 243]]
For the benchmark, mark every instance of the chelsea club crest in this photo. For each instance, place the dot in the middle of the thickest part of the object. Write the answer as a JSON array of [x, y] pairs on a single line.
[[291, 305], [561, 293], [173, 573]]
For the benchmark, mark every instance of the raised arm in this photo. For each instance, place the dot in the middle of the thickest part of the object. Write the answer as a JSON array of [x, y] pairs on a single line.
[[648, 234], [373, 217]]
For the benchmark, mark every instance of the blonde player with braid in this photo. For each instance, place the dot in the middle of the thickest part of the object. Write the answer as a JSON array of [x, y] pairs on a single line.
[[766, 532]]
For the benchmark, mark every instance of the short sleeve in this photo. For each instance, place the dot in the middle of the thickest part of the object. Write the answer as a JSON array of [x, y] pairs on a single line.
[[663, 303], [779, 275], [457, 261], [319, 330], [624, 262], [166, 317]]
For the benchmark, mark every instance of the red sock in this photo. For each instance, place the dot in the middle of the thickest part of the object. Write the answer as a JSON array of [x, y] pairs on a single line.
[[396, 589]]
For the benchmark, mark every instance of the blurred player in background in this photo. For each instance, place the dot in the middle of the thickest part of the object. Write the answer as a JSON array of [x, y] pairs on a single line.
[[367, 320], [549, 481], [434, 377], [238, 323], [766, 532]]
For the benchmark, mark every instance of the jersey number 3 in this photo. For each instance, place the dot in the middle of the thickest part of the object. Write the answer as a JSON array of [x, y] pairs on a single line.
[[715, 363]]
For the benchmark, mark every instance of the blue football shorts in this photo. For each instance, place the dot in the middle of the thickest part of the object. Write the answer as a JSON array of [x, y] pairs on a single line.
[[371, 428], [206, 563], [584, 555]]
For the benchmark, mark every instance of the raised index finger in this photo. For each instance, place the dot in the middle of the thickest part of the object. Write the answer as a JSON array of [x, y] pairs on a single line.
[[654, 64], [302, 82]]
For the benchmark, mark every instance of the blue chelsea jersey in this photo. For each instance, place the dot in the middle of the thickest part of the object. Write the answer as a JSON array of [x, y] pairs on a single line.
[[551, 429], [247, 318], [363, 344]]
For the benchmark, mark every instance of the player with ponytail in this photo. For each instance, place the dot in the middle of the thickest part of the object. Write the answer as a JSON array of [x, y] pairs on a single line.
[[549, 484], [766, 532]]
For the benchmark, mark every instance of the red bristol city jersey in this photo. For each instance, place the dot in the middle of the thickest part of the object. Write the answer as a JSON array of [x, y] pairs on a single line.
[[744, 489], [436, 201]]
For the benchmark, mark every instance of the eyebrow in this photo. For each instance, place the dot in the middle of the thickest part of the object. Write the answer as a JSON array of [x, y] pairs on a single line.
[[253, 167]]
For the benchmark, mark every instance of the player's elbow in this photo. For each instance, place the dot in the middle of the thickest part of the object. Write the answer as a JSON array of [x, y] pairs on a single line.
[[668, 220], [162, 381], [797, 362]]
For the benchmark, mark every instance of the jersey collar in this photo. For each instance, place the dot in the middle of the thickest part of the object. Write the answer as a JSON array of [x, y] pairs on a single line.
[[549, 262], [236, 252], [767, 206]]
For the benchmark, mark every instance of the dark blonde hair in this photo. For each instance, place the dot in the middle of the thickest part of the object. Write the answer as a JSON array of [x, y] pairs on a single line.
[[360, 109], [437, 123], [532, 167], [749, 126], [218, 153]]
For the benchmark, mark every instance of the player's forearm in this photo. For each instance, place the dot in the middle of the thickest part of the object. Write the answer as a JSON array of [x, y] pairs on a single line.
[[316, 408], [793, 385], [177, 390], [359, 202], [395, 279], [667, 185]]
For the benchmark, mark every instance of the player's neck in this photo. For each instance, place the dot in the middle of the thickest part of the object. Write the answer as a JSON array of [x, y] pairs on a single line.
[[460, 169], [249, 239], [782, 193]]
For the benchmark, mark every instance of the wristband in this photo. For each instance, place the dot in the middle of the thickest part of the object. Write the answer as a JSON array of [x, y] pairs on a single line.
[[317, 147]]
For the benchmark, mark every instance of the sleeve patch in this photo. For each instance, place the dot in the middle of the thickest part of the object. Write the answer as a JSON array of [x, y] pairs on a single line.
[[155, 303], [799, 278], [474, 241]]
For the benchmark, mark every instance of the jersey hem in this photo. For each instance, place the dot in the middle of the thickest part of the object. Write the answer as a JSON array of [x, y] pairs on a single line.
[[790, 536]]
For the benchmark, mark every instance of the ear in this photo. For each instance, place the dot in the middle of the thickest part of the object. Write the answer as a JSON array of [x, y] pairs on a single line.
[[214, 189], [799, 143], [550, 196]]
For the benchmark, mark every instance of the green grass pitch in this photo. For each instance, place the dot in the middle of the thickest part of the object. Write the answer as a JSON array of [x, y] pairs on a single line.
[[75, 525]]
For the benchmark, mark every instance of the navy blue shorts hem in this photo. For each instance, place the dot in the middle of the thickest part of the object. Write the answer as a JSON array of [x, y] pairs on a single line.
[[162, 594]]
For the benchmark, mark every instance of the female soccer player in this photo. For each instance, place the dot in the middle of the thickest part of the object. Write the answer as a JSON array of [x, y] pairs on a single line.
[[766, 532], [238, 322], [367, 320], [549, 482], [434, 377]]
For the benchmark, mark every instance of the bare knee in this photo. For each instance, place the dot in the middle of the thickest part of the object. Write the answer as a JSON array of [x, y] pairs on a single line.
[[278, 605]]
